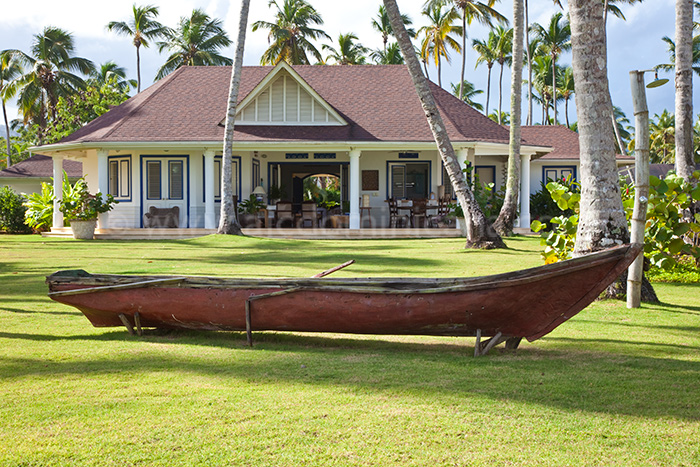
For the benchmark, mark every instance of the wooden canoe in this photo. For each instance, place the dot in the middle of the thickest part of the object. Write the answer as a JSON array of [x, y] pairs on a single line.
[[528, 303]]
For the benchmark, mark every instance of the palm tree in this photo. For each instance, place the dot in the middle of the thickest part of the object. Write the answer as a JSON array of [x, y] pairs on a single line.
[[291, 33], [382, 25], [390, 56], [468, 94], [196, 41], [611, 7], [622, 127], [110, 71], [504, 56], [542, 69], [470, 11], [566, 85], [671, 47], [228, 222], [440, 35], [554, 40], [487, 55], [506, 217], [662, 130], [10, 71], [479, 233], [502, 118], [685, 164], [50, 76], [143, 27], [349, 52]]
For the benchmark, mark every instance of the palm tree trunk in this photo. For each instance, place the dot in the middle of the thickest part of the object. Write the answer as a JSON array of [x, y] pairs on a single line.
[[488, 91], [566, 112], [439, 70], [554, 86], [529, 67], [228, 222], [617, 134], [480, 234], [464, 53], [500, 93], [138, 70], [506, 218], [684, 89], [602, 221], [7, 135]]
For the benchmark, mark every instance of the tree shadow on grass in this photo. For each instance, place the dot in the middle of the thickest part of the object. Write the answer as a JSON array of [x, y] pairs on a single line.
[[565, 377]]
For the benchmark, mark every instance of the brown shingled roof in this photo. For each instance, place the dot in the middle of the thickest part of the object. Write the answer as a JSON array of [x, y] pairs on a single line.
[[560, 137], [39, 166], [378, 102]]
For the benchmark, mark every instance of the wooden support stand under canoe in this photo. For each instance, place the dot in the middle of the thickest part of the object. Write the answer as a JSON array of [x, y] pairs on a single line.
[[505, 307]]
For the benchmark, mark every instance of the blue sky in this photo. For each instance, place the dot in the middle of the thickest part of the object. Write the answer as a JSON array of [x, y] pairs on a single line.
[[632, 44]]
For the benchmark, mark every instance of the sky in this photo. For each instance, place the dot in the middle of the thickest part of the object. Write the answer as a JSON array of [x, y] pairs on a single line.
[[634, 44]]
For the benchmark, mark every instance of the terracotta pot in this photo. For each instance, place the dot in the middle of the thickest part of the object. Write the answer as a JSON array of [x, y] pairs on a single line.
[[83, 229]]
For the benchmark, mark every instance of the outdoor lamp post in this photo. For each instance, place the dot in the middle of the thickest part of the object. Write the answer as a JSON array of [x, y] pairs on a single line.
[[641, 179]]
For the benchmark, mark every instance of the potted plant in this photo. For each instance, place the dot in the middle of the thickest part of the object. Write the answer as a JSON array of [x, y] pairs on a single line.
[[276, 193], [81, 209], [248, 211]]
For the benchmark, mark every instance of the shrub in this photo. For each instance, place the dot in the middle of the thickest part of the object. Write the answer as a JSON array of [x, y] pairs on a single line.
[[39, 213], [543, 208], [12, 211]]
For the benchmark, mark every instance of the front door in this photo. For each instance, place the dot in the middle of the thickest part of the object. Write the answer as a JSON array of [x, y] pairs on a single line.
[[165, 183]]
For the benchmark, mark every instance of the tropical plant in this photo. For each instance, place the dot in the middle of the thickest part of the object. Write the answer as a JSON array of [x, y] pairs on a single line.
[[623, 129], [487, 56], [671, 47], [349, 52], [12, 211], [440, 35], [390, 56], [143, 27], [381, 24], [559, 233], [251, 205], [228, 221], [554, 40], [502, 118], [470, 11], [469, 92], [504, 56], [291, 34], [81, 205], [196, 41], [611, 7], [479, 232], [39, 214], [49, 74], [10, 71], [662, 138], [110, 72], [566, 86]]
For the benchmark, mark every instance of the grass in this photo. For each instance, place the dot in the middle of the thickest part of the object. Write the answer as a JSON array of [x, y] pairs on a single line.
[[610, 387]]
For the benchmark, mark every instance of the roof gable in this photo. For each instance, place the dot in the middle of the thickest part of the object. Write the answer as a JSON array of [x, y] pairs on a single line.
[[284, 98]]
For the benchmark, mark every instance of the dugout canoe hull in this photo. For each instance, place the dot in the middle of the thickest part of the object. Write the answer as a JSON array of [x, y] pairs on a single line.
[[528, 303]]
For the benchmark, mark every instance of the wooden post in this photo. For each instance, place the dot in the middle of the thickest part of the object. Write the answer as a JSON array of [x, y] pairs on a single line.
[[641, 185], [477, 345], [126, 323], [137, 322]]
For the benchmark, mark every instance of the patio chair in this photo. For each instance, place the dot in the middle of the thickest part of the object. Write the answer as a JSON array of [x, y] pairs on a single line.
[[440, 219], [284, 217], [160, 218], [309, 214], [419, 215], [395, 219]]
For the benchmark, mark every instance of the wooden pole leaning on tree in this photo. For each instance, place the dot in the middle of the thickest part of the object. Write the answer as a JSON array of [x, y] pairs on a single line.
[[641, 185]]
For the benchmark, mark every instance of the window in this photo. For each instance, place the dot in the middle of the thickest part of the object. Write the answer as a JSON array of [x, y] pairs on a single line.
[[409, 180], [558, 172], [153, 180], [486, 174], [255, 179], [120, 177], [176, 188]]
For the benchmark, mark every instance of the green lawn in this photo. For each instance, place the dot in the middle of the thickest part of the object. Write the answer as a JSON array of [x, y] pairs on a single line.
[[610, 387]]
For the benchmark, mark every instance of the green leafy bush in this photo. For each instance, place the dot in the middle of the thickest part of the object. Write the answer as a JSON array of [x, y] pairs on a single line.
[[81, 205], [39, 213], [12, 211], [543, 208], [560, 239]]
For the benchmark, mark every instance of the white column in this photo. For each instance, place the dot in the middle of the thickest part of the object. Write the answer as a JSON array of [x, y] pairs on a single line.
[[209, 182], [58, 191], [103, 184], [525, 191], [354, 188]]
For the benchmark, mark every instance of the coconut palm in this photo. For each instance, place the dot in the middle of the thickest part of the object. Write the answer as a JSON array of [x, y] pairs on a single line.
[[662, 130], [566, 86], [228, 221], [671, 47], [611, 7], [504, 56], [390, 56], [349, 52], [685, 164], [143, 27], [440, 35], [622, 127], [111, 72], [291, 34], [381, 24], [542, 79], [10, 71], [470, 11], [479, 233], [196, 41], [468, 94], [50, 74], [487, 56], [554, 40]]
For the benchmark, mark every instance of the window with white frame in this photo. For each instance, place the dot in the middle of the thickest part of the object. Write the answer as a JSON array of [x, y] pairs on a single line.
[[120, 177]]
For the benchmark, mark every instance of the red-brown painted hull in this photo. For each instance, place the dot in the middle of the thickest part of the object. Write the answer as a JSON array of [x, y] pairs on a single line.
[[529, 303]]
